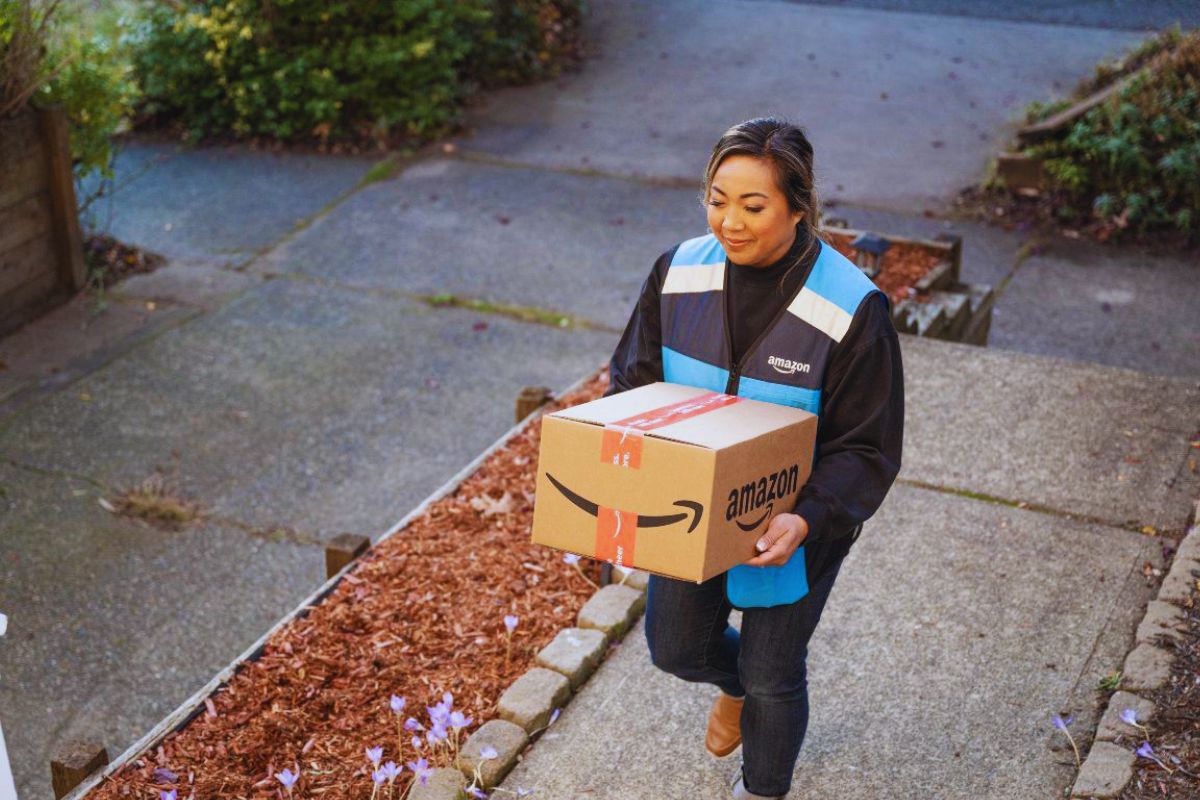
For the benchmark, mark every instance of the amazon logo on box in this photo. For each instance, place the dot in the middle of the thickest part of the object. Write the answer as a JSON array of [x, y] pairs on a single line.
[[667, 478]]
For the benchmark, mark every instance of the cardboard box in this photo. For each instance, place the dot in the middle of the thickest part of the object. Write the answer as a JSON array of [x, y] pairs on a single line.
[[667, 478]]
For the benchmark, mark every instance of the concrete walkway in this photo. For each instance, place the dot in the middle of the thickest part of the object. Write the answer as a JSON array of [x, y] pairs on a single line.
[[962, 620], [289, 373]]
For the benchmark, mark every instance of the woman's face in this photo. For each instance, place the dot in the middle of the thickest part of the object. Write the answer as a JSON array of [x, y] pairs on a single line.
[[748, 213]]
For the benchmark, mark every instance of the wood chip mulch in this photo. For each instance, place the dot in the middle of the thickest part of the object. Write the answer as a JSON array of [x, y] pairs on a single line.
[[1174, 731], [903, 265], [421, 614]]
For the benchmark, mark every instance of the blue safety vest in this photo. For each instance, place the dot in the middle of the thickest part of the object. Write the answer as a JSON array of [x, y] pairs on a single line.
[[786, 365]]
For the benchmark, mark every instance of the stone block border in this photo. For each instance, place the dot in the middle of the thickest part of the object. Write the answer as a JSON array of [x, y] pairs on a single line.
[[1108, 767], [534, 700]]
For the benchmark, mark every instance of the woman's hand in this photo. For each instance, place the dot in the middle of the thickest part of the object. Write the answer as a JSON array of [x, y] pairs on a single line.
[[785, 532]]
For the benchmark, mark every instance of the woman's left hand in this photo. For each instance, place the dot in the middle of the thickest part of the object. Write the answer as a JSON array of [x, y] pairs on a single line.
[[785, 532]]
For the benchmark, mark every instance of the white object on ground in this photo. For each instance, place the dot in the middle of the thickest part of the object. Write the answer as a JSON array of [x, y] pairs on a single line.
[[8, 791]]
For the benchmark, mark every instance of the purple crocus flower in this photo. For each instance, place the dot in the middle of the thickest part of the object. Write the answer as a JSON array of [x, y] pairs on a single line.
[[412, 726], [390, 771], [510, 623], [476, 792], [1129, 717], [570, 558], [416, 742], [1146, 751], [166, 795], [487, 753], [397, 704], [288, 779], [379, 776], [554, 716], [375, 755], [421, 769], [1062, 724], [458, 720]]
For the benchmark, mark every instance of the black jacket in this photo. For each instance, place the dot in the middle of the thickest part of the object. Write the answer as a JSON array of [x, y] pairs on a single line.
[[861, 427]]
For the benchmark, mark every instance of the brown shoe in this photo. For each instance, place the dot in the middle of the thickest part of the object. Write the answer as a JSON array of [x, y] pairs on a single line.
[[724, 725]]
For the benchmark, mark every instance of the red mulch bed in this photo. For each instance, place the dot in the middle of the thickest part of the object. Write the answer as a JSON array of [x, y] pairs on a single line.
[[903, 265], [420, 614]]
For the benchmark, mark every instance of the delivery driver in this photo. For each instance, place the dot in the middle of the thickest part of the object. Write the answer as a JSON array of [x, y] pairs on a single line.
[[762, 308]]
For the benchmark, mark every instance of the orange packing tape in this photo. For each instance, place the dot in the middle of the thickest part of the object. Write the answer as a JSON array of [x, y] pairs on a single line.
[[622, 441], [616, 533]]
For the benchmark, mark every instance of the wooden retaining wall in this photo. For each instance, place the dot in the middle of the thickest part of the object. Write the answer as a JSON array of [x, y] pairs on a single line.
[[41, 248]]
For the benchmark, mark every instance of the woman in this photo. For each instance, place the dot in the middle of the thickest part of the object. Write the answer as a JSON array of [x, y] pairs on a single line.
[[762, 308]]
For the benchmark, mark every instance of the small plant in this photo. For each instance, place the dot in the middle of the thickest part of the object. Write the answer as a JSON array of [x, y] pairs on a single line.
[[510, 625], [288, 779], [1061, 724], [155, 501], [1129, 717], [1146, 751], [1110, 682], [573, 560]]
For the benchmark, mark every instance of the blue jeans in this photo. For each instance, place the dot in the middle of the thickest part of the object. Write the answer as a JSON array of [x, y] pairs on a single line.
[[688, 630]]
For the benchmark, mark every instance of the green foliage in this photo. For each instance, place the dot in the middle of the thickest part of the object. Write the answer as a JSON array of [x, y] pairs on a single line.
[[23, 66], [54, 54], [96, 90], [349, 69], [1133, 162]]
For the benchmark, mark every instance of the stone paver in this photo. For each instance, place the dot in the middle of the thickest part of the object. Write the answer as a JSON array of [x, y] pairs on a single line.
[[533, 698], [112, 624], [323, 409], [633, 578], [612, 610], [1105, 771], [1078, 438], [1089, 301], [447, 226], [1163, 619], [506, 738], [575, 652], [443, 784], [1181, 579], [222, 205], [1111, 725], [914, 622], [1146, 668]]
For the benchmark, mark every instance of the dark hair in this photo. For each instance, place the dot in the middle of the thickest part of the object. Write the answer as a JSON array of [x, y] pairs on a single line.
[[785, 147]]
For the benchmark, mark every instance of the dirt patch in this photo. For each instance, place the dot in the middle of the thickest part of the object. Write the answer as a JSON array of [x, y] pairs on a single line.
[[421, 614], [110, 261]]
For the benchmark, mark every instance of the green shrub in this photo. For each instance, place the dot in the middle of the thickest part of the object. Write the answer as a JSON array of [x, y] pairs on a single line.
[[49, 56], [1133, 162], [97, 91], [356, 69]]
